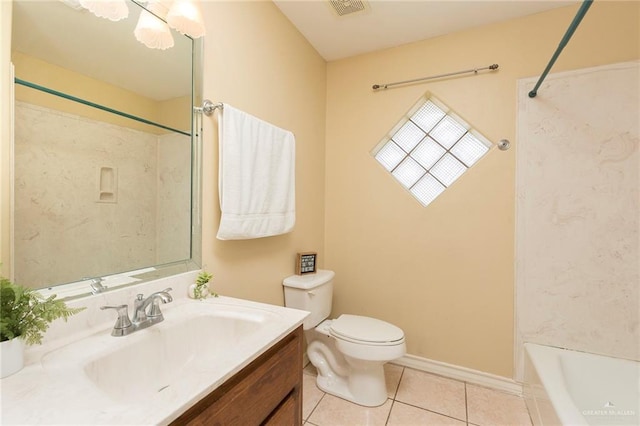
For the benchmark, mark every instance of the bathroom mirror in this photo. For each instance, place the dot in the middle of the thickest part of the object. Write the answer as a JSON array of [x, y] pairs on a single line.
[[106, 159]]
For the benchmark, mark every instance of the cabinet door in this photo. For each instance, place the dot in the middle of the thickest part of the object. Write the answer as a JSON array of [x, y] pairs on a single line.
[[287, 412], [255, 393]]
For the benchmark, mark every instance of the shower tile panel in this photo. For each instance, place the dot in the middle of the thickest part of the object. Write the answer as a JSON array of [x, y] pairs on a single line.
[[57, 155], [578, 262]]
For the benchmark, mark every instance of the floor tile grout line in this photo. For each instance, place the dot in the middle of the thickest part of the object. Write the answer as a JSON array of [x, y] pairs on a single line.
[[315, 406], [466, 404], [395, 394], [431, 411], [394, 399], [389, 413]]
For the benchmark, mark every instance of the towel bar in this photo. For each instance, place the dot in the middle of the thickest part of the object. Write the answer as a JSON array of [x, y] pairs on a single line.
[[208, 107]]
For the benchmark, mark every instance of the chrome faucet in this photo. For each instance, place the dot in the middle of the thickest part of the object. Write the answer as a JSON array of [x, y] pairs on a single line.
[[141, 318], [96, 285], [140, 306]]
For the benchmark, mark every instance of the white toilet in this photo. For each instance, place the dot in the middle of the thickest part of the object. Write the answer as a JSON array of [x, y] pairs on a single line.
[[348, 352]]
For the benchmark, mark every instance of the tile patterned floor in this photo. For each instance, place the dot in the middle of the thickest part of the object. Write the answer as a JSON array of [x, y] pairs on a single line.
[[415, 398]]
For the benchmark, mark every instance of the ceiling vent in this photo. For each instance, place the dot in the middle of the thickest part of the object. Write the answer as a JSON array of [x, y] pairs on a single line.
[[346, 7]]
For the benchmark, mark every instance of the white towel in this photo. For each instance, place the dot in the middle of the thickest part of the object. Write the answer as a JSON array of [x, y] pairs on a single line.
[[256, 177]]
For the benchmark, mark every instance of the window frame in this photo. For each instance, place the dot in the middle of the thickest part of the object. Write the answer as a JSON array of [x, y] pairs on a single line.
[[404, 145]]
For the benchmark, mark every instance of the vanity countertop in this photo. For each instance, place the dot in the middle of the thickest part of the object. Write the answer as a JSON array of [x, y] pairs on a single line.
[[55, 386]]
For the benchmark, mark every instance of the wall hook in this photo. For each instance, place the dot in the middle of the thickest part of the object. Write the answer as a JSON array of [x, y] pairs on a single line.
[[504, 144]]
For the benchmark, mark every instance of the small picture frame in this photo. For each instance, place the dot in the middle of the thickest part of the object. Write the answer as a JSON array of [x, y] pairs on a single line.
[[306, 263]]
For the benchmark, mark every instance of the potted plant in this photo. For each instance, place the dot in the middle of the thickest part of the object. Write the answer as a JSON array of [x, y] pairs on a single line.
[[24, 316], [200, 290]]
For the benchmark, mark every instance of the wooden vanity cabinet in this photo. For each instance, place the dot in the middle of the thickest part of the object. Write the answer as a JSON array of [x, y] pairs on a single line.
[[266, 392]]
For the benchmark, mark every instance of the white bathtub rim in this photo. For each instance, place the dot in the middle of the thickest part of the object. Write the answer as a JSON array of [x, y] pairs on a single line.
[[547, 359]]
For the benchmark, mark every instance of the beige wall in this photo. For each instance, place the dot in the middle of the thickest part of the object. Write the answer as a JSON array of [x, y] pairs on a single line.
[[52, 76], [256, 61], [445, 273], [168, 117]]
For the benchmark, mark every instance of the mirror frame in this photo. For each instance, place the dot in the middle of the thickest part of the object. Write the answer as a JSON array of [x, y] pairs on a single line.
[[76, 290]]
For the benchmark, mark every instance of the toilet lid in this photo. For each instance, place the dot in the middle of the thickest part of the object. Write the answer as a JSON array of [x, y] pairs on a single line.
[[364, 329]]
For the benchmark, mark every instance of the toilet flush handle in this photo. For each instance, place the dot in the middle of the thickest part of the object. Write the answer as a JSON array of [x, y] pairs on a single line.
[[312, 293]]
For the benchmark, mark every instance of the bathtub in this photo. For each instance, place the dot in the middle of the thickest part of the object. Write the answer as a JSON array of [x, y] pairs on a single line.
[[565, 387]]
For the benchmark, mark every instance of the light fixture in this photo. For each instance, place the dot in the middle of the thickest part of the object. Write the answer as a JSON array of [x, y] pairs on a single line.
[[152, 31], [113, 10], [185, 16]]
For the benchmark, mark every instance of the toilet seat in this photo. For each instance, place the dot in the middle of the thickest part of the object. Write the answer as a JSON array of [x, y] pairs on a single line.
[[366, 331]]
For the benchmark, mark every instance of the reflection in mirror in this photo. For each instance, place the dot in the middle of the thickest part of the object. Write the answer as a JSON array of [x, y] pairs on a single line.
[[74, 52], [103, 150]]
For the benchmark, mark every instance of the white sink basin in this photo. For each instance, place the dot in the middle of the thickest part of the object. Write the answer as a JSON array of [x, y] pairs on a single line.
[[135, 367], [164, 353]]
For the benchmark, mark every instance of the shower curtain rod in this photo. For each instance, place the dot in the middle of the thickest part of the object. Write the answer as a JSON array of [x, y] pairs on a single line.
[[475, 70], [567, 36]]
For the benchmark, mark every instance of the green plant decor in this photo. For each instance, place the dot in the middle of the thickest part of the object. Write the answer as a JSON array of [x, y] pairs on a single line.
[[202, 282], [26, 314]]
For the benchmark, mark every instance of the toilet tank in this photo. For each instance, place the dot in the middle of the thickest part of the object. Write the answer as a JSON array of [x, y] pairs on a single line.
[[311, 292]]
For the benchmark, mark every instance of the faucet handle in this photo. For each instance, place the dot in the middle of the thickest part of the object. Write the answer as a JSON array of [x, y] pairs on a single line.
[[154, 310], [123, 322]]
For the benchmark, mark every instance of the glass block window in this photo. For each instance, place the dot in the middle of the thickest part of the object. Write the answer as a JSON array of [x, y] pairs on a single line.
[[429, 149]]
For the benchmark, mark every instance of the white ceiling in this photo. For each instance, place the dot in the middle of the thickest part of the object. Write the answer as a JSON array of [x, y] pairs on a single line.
[[390, 23]]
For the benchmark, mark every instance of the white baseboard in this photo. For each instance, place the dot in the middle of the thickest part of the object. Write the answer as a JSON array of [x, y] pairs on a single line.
[[464, 374]]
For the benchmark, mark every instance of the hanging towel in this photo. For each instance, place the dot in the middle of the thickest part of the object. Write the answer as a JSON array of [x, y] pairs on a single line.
[[256, 177]]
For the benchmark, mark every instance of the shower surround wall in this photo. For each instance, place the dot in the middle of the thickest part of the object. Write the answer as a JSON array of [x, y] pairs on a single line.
[[57, 196], [173, 226], [577, 257]]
